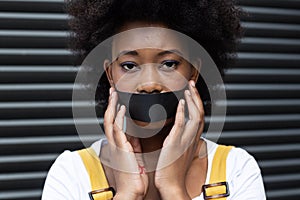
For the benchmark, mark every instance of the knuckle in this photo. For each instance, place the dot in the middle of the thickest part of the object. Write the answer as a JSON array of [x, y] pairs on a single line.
[[106, 116], [105, 123], [194, 123], [197, 117], [180, 123], [116, 128], [202, 116]]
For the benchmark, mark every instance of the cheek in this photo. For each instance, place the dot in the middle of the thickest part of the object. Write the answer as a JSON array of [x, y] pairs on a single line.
[[175, 83], [179, 79], [123, 81]]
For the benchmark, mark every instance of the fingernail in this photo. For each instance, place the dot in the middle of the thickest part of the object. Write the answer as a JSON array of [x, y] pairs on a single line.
[[193, 83], [182, 101], [113, 94], [188, 92], [122, 107], [110, 90]]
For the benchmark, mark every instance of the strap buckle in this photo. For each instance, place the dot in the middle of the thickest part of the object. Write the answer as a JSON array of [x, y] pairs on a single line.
[[215, 190], [94, 192]]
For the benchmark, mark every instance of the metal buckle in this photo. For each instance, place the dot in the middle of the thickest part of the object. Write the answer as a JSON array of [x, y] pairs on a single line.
[[109, 189], [205, 187]]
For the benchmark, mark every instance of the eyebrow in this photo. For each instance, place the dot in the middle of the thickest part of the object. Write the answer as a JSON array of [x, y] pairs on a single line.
[[172, 51], [127, 52], [163, 53]]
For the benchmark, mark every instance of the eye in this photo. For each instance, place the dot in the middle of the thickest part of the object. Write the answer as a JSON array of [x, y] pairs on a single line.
[[169, 64], [128, 66]]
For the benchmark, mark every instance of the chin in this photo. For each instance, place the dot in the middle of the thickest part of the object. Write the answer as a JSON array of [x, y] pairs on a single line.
[[153, 125]]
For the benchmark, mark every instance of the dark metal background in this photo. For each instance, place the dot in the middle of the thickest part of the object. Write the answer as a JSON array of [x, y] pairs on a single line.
[[36, 76]]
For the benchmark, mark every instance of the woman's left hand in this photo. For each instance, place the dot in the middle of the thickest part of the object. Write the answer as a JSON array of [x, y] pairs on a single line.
[[179, 147]]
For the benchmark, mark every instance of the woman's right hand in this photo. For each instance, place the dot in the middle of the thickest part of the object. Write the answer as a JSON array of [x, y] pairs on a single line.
[[131, 182]]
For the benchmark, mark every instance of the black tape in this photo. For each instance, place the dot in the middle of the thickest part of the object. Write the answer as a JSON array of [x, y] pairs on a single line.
[[138, 105]]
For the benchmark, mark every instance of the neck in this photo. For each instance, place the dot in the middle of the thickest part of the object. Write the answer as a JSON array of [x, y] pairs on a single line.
[[155, 142], [151, 139]]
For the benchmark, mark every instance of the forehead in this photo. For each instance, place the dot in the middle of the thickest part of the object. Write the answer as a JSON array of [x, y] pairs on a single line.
[[148, 37]]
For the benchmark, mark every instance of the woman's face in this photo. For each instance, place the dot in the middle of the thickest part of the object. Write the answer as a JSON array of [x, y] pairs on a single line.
[[138, 69]]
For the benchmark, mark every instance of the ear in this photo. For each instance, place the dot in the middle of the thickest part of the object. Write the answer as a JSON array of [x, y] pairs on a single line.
[[107, 68], [196, 67]]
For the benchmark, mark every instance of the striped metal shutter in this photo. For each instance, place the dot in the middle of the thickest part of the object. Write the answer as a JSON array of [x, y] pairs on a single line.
[[36, 76]]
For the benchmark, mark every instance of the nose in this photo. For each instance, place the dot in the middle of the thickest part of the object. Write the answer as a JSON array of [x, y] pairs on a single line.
[[150, 81], [150, 88]]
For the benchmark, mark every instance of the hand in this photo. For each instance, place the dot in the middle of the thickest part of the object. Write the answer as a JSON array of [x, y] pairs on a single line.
[[131, 183], [184, 137]]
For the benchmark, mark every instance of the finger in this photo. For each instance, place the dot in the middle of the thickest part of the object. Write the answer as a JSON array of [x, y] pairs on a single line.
[[192, 108], [196, 96], [111, 108], [194, 122], [109, 115], [118, 134], [179, 123], [197, 99]]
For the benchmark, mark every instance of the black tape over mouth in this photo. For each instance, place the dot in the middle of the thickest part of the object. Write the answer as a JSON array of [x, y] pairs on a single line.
[[138, 106]]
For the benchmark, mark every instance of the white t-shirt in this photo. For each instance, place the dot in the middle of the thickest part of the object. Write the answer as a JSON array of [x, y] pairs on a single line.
[[68, 179]]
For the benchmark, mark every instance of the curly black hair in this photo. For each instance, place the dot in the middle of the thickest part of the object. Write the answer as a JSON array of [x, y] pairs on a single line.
[[215, 24]]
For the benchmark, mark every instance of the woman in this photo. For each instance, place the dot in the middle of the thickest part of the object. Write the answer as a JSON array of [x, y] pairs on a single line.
[[152, 64]]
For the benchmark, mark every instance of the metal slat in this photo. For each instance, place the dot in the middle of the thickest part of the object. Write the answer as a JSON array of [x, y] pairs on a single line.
[[256, 137], [38, 74], [293, 193], [276, 45], [262, 75], [45, 127], [32, 5], [33, 21], [275, 151], [27, 163], [281, 166], [283, 180], [250, 122], [40, 110], [258, 91], [262, 29], [33, 39], [46, 145], [266, 14], [274, 3], [36, 57], [21, 194], [248, 59], [270, 106], [20, 181], [35, 92]]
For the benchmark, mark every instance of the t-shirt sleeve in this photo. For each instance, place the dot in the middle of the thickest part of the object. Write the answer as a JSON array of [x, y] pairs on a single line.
[[245, 177], [64, 177]]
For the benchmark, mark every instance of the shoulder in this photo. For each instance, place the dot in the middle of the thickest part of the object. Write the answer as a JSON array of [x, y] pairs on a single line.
[[244, 175], [241, 163], [67, 162], [67, 177], [67, 158]]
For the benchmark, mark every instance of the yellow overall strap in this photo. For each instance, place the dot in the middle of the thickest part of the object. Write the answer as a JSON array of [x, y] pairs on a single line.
[[96, 173], [218, 172]]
